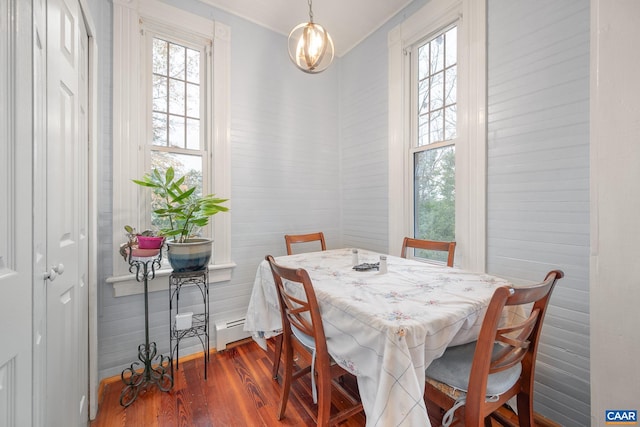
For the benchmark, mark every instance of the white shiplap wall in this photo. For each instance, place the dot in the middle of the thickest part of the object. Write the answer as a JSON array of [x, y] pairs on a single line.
[[285, 179], [538, 180], [364, 100], [363, 132], [285, 172]]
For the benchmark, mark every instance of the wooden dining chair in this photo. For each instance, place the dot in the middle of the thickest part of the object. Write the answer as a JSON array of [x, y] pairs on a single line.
[[303, 333], [430, 245], [304, 238], [472, 381], [291, 239]]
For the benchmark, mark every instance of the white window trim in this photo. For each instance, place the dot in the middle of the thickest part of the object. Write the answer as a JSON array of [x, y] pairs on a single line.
[[129, 129], [471, 143]]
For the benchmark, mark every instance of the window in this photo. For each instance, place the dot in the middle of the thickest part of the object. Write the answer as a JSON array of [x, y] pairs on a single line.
[[434, 131], [437, 128], [178, 102], [171, 79]]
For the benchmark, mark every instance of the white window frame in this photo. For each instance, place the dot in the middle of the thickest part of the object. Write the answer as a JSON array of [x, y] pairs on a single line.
[[151, 30], [130, 127], [470, 17]]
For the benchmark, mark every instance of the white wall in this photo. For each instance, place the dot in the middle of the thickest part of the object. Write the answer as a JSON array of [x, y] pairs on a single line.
[[364, 132], [538, 181], [285, 178], [615, 206]]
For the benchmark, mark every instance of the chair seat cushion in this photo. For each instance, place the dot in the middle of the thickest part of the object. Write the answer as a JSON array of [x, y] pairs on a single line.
[[454, 366], [306, 340]]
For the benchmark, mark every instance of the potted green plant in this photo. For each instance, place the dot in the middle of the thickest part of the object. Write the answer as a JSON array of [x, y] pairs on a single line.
[[186, 212]]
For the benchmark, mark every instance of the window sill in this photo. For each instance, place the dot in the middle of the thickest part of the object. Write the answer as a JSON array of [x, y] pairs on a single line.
[[127, 285]]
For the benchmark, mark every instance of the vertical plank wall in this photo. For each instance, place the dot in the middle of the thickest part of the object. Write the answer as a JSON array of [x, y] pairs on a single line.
[[538, 180]]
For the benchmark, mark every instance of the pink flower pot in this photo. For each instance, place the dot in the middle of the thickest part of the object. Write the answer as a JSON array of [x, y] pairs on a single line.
[[150, 242]]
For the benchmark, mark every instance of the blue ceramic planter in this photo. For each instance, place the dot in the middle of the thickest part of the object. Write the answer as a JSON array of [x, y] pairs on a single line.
[[192, 255]]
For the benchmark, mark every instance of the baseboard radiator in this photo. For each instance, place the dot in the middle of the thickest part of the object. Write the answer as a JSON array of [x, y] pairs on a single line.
[[229, 331]]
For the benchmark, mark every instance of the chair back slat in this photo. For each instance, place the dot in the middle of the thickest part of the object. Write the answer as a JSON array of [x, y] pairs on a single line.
[[291, 239], [517, 340], [430, 245]]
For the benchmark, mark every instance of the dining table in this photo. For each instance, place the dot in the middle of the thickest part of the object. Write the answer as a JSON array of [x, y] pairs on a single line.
[[383, 327]]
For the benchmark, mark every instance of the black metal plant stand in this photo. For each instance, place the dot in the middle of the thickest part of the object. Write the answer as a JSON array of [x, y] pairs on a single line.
[[200, 324], [135, 378]]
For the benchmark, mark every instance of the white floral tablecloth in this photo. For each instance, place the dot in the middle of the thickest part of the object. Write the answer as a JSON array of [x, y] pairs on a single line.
[[384, 328]]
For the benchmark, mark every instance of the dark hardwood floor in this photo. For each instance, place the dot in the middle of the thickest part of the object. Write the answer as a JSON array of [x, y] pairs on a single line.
[[239, 391]]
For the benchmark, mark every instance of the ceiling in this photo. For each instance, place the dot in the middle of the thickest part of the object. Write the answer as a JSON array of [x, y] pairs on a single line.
[[347, 21]]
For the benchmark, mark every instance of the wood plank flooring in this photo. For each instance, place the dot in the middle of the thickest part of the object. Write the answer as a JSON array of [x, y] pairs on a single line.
[[239, 391]]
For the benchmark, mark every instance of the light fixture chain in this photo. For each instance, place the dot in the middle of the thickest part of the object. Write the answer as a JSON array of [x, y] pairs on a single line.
[[310, 11]]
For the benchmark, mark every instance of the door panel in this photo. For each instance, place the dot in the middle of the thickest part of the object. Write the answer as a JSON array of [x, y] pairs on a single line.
[[66, 195], [15, 213]]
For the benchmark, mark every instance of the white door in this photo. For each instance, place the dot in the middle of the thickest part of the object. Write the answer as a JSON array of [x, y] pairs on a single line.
[[67, 216], [16, 273]]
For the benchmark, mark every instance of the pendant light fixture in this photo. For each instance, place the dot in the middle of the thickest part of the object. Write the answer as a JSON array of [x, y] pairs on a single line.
[[310, 46]]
